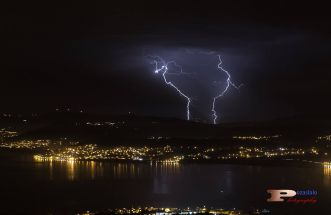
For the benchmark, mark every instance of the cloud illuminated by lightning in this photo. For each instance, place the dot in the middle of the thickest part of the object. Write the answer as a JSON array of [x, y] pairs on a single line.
[[163, 67], [228, 84]]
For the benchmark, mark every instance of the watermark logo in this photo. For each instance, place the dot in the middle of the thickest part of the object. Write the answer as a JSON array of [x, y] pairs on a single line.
[[279, 195], [294, 196]]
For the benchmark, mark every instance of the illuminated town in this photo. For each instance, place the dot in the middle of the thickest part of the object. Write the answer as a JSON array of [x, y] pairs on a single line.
[[4, 133], [327, 138], [164, 154], [247, 147], [256, 137], [63, 150]]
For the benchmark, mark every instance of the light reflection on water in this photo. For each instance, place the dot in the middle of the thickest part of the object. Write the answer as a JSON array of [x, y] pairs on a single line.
[[327, 171], [91, 170], [327, 174]]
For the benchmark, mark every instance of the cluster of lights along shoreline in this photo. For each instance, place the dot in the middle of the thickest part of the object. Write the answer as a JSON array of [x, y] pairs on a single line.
[[68, 150], [245, 147]]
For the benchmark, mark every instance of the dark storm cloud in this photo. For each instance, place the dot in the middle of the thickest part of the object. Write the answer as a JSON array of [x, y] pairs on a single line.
[[91, 56]]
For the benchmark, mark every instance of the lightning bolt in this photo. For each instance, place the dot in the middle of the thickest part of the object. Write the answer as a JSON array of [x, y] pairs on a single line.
[[228, 84], [161, 66]]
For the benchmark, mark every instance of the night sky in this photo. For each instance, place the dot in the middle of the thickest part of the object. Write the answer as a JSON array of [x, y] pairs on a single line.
[[91, 56]]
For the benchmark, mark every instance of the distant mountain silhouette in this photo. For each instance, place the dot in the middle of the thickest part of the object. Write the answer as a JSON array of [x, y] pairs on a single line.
[[136, 130]]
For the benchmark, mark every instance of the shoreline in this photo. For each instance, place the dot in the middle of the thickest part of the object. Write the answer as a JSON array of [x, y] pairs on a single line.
[[27, 155]]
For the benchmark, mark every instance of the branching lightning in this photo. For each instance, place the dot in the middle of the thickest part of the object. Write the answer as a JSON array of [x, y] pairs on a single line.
[[228, 84], [161, 66]]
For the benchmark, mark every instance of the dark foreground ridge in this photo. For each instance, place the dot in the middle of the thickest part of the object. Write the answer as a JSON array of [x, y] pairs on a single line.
[[173, 211]]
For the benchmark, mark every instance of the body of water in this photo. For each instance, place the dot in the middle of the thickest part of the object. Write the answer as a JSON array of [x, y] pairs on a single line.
[[29, 186]]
